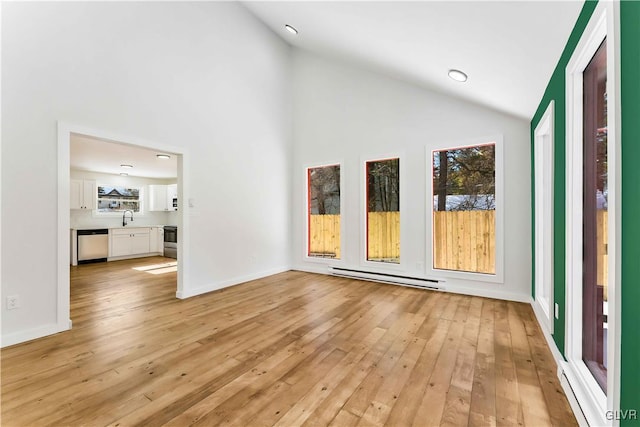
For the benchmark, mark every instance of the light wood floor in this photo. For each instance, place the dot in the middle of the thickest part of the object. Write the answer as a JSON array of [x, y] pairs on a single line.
[[288, 350]]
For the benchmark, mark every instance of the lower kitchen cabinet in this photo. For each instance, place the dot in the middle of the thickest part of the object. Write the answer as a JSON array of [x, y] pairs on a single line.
[[156, 239], [129, 241]]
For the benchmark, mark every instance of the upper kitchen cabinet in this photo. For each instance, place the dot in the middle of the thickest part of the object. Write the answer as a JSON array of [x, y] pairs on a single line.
[[82, 194], [163, 197], [172, 197], [158, 198]]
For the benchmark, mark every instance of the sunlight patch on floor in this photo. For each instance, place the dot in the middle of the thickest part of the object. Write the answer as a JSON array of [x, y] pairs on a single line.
[[165, 267], [163, 270]]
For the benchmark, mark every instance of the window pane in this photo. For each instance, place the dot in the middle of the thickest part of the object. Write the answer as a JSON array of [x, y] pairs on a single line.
[[464, 206], [118, 199], [383, 211], [595, 218], [323, 185]]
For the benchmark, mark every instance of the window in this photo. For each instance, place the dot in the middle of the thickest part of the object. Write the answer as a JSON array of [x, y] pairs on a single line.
[[323, 187], [118, 199], [592, 206], [383, 210], [464, 209], [595, 217]]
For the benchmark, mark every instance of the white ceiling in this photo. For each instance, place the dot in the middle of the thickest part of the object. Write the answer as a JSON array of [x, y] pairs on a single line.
[[508, 48], [96, 155]]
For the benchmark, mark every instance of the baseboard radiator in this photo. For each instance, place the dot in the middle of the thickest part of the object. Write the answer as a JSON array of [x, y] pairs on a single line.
[[394, 279]]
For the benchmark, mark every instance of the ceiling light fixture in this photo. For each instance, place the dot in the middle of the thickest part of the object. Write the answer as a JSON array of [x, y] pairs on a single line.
[[124, 174], [163, 156], [126, 166], [291, 29], [457, 75]]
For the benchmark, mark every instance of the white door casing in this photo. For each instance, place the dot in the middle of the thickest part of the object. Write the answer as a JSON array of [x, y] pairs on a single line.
[[543, 240]]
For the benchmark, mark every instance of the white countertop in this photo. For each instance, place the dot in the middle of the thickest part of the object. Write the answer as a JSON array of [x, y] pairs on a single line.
[[129, 225]]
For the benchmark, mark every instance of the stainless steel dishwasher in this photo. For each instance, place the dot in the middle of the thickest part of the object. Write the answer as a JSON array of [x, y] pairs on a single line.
[[93, 245]]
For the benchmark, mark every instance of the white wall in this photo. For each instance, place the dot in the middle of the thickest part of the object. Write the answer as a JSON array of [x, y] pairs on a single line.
[[87, 218], [204, 76], [342, 113]]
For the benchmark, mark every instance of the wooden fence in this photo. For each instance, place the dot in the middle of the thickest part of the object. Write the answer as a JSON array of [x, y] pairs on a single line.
[[602, 222], [384, 236], [324, 236], [465, 241]]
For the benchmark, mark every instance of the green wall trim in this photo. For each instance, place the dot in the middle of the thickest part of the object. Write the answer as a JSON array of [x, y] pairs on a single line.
[[630, 257], [555, 91]]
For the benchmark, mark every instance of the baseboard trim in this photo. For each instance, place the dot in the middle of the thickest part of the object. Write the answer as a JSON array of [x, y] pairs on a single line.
[[123, 257], [188, 293], [35, 333], [485, 293], [564, 373], [581, 403], [559, 358]]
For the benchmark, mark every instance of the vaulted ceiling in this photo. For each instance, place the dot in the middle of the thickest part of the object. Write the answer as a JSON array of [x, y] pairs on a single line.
[[508, 48]]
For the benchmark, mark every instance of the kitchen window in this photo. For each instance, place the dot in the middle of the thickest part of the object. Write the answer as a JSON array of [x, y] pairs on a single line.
[[119, 199]]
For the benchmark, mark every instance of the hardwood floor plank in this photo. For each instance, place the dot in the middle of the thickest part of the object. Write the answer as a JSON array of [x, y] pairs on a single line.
[[380, 407], [431, 409], [335, 402], [288, 350], [546, 368], [482, 411], [458, 401], [305, 406], [363, 396], [411, 395], [509, 412], [197, 402], [534, 407], [279, 403]]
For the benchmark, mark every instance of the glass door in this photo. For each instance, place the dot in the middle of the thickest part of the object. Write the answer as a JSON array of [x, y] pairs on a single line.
[[595, 217]]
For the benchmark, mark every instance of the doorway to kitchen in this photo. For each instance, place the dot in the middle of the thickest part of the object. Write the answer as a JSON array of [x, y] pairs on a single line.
[[127, 206]]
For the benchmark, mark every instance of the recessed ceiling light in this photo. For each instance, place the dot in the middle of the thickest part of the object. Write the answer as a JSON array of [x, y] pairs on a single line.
[[126, 166], [458, 75], [124, 174], [290, 29], [163, 156]]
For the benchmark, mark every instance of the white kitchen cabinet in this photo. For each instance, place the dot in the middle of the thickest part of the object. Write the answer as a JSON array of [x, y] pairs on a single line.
[[140, 243], [129, 241], [153, 239], [156, 239], [161, 197], [160, 245], [158, 200], [82, 194], [120, 245], [172, 194]]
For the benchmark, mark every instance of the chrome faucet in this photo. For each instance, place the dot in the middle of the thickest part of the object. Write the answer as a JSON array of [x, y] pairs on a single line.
[[124, 217]]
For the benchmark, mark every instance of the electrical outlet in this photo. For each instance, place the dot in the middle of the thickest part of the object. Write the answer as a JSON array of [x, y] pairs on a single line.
[[13, 302], [557, 310]]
